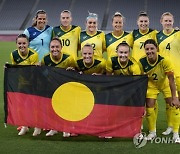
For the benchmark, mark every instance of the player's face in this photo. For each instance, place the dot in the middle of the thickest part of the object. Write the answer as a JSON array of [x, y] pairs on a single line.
[[117, 23], [65, 19], [91, 25], [151, 51], [143, 23], [22, 45], [55, 48], [87, 54], [123, 53], [41, 21], [167, 22]]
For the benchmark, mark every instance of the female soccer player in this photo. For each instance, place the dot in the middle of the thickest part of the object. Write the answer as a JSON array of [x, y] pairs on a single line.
[[68, 34], [160, 79], [168, 40], [140, 35], [93, 36], [117, 36], [57, 59], [89, 63], [39, 34], [24, 56], [122, 64]]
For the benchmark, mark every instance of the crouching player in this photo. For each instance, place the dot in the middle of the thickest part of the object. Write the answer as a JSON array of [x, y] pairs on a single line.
[[160, 79], [57, 59]]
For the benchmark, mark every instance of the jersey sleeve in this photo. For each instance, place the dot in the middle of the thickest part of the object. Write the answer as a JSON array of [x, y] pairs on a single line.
[[26, 32], [103, 42], [136, 69], [109, 66], [12, 59], [167, 65], [34, 59], [140, 67]]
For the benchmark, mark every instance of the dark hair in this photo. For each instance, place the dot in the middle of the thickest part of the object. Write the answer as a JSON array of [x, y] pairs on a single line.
[[22, 36], [56, 39], [150, 41], [123, 43], [66, 11], [36, 16], [143, 14]]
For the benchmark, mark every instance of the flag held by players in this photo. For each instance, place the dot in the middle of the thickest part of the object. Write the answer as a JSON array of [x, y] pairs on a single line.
[[53, 98]]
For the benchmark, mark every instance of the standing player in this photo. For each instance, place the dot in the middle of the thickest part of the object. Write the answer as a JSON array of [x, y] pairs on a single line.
[[169, 45], [68, 34], [39, 34], [122, 64], [93, 36], [57, 59], [160, 79], [24, 56], [140, 35], [117, 36]]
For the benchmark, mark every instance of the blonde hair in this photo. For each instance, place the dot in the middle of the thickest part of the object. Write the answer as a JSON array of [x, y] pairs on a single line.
[[166, 14], [118, 14], [91, 15]]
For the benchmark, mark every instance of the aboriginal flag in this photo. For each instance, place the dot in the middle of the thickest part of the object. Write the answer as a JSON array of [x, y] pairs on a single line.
[[53, 98]]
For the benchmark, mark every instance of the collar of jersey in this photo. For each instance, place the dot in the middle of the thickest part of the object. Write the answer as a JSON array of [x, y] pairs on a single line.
[[56, 62], [118, 36], [66, 30], [143, 33], [154, 63], [90, 65], [23, 57], [121, 64]]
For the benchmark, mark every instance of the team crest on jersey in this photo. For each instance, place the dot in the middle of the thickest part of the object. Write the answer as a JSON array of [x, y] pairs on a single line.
[[110, 40], [18, 59], [34, 33], [59, 33], [136, 35], [84, 37], [161, 38]]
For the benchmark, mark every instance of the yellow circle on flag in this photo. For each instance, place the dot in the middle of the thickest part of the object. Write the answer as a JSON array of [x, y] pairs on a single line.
[[73, 101]]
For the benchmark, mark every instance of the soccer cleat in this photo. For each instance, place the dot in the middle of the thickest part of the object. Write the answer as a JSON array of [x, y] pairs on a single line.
[[65, 134], [23, 130], [177, 141], [151, 136], [175, 136], [168, 131], [36, 132], [51, 133]]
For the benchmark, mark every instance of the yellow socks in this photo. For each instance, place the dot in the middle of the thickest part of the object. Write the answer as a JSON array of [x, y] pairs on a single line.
[[156, 109], [151, 119], [168, 115], [175, 114]]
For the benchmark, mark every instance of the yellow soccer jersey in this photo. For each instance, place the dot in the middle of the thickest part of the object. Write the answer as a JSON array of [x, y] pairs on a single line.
[[65, 61], [112, 42], [113, 65], [30, 59], [157, 72], [97, 40], [68, 38], [169, 45], [139, 39], [98, 66]]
